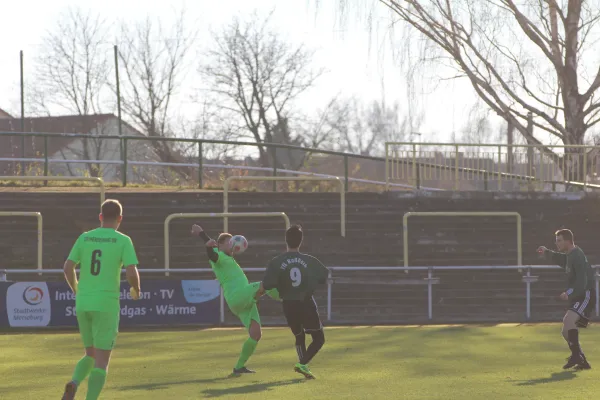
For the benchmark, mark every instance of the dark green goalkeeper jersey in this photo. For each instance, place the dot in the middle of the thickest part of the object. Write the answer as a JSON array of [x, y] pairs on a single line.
[[295, 275], [580, 275]]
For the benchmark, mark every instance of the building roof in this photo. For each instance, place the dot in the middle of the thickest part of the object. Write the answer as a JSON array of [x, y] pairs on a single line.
[[10, 146], [4, 114]]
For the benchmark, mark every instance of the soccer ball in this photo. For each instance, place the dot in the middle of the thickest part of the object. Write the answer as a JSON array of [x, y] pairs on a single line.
[[238, 244]]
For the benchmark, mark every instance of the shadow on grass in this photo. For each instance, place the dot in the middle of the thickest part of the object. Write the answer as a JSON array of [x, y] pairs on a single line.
[[555, 377], [166, 385], [250, 388]]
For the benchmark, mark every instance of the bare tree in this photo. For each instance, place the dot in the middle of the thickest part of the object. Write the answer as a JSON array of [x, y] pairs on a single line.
[[256, 76], [72, 76], [153, 62], [364, 129], [520, 58], [479, 129]]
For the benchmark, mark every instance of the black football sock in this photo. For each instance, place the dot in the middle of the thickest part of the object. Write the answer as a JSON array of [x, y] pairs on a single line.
[[301, 345], [574, 341], [318, 340]]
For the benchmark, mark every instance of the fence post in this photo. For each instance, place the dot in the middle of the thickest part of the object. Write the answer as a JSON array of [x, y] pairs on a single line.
[[584, 168], [528, 295], [499, 168], [485, 180], [418, 181], [200, 168], [124, 162], [430, 293], [414, 163], [22, 113], [329, 289], [46, 159], [387, 171], [346, 172], [456, 158], [274, 157], [597, 294]]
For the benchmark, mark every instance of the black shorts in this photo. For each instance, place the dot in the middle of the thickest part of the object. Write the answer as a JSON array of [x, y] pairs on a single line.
[[585, 305], [302, 315]]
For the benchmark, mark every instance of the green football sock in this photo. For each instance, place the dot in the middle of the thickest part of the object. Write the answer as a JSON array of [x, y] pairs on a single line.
[[274, 294], [247, 350], [95, 383], [83, 369]]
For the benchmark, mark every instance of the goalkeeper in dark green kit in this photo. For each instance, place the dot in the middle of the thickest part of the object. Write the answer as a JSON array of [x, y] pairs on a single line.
[[296, 275], [579, 293]]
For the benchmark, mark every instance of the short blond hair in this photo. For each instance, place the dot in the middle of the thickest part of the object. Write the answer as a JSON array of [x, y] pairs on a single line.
[[223, 237]]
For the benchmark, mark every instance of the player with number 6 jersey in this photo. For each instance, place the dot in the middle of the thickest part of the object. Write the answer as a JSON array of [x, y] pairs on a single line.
[[100, 253], [296, 276]]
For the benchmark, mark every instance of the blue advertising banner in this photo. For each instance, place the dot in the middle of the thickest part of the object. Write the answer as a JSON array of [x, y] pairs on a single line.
[[164, 302]]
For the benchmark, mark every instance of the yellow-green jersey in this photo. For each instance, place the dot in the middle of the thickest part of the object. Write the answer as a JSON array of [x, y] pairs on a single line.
[[228, 272], [101, 254]]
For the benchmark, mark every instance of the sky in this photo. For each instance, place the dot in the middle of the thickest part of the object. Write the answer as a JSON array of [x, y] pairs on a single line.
[[358, 62]]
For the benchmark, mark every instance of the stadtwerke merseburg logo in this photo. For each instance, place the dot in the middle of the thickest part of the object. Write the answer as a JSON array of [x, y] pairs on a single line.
[[33, 295], [28, 304]]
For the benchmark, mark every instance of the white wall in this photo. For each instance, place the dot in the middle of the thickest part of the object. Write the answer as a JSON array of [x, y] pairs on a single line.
[[105, 150]]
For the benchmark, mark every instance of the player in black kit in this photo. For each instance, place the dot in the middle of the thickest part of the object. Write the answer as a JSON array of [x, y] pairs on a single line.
[[296, 277], [579, 293]]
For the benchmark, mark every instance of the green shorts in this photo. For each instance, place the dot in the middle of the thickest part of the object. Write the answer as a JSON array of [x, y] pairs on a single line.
[[98, 329], [242, 303]]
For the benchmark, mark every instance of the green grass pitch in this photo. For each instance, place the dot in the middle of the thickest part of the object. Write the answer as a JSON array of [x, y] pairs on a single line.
[[437, 362]]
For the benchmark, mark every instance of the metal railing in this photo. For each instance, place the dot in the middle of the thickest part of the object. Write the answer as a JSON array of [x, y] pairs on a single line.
[[98, 181], [535, 165], [431, 280], [125, 141], [410, 163]]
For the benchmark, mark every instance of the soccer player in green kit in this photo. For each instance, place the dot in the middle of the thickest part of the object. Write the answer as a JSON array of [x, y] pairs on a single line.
[[296, 276], [580, 293], [101, 253], [241, 295]]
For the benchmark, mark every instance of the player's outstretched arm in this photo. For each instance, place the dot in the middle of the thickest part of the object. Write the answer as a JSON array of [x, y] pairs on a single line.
[[70, 275], [133, 277], [559, 259], [210, 243]]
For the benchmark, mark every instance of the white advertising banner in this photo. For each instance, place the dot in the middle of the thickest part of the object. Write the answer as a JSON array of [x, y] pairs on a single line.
[[28, 304]]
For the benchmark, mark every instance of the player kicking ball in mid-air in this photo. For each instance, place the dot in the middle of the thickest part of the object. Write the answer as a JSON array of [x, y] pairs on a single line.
[[296, 277], [241, 295], [100, 253], [579, 294]]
